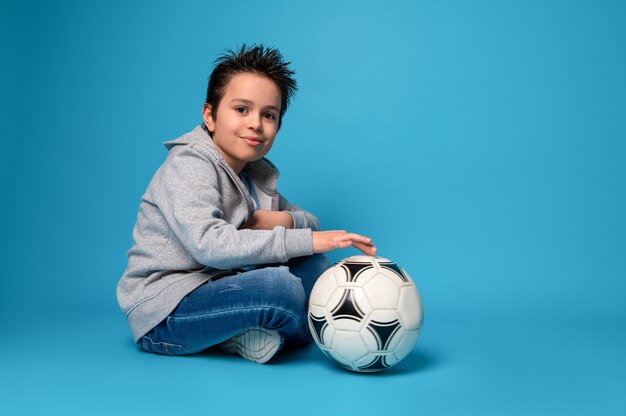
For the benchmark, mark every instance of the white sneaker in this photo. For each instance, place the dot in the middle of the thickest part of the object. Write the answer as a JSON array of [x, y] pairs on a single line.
[[256, 344]]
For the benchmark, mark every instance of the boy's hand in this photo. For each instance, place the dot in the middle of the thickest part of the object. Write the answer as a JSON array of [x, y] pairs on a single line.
[[324, 241], [263, 219]]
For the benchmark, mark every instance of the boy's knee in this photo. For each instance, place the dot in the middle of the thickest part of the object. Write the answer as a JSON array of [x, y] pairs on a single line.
[[286, 288]]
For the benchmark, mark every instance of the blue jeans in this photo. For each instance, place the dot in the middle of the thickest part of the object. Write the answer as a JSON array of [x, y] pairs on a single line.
[[271, 296]]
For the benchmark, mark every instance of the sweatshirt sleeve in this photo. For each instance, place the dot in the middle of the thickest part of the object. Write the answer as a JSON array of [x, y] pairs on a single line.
[[188, 195], [301, 218]]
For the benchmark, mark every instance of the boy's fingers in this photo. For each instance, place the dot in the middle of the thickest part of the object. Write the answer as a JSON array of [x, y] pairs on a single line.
[[366, 248], [344, 244]]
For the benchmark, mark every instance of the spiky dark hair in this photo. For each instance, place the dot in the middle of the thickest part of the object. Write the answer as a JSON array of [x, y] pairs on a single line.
[[256, 59]]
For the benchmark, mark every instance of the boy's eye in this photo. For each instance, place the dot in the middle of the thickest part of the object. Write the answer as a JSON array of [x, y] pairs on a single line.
[[270, 116], [241, 110]]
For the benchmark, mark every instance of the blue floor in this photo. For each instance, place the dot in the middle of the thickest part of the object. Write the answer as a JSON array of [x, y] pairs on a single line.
[[458, 367]]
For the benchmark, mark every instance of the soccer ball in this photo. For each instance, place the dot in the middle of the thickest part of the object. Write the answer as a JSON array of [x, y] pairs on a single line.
[[365, 313]]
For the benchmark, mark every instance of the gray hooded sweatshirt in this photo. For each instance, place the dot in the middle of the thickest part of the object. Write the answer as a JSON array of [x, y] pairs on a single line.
[[187, 230]]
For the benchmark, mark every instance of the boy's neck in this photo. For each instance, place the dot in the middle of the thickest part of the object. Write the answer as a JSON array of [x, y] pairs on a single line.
[[236, 166]]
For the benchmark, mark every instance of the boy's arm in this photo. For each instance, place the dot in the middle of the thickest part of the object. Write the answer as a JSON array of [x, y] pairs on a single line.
[[301, 218], [323, 241], [189, 198], [263, 219], [288, 216]]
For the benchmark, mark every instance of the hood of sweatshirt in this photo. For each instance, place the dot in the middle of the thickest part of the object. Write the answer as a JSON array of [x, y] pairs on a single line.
[[262, 172]]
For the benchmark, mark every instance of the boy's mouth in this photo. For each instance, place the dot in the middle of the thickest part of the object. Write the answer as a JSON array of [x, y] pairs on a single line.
[[252, 141]]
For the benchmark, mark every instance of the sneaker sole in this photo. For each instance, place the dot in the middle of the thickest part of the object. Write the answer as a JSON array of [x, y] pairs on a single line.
[[257, 344]]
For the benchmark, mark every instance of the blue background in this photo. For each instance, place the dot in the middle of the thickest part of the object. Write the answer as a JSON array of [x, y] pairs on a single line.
[[482, 145]]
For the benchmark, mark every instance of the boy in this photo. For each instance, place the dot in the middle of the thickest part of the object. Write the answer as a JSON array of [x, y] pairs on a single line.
[[219, 257]]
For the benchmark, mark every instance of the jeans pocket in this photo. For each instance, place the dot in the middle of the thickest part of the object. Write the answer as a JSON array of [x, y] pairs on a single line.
[[160, 347]]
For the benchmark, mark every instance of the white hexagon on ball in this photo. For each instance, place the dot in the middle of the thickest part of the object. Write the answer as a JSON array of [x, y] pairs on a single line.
[[382, 292], [324, 287], [410, 307]]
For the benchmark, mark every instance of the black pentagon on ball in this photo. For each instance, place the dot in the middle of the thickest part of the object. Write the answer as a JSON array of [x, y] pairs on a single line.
[[395, 268], [383, 332], [354, 270], [319, 324], [348, 308], [378, 363]]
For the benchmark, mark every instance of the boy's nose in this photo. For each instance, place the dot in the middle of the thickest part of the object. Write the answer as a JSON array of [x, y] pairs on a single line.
[[254, 122]]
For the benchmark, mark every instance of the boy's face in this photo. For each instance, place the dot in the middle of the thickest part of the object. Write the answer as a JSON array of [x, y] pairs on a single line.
[[246, 122]]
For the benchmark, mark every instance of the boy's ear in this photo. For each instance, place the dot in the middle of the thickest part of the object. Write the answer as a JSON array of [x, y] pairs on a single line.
[[207, 116]]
